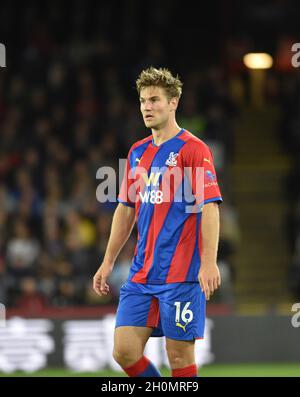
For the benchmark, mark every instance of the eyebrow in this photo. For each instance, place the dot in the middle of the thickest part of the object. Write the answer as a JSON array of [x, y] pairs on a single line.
[[152, 97]]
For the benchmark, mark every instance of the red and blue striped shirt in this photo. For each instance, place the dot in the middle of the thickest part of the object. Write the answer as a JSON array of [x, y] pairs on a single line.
[[168, 248]]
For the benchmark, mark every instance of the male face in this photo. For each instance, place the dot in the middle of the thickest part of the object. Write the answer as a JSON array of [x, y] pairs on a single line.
[[156, 107]]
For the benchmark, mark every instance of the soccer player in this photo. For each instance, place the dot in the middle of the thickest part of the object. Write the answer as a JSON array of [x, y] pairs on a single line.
[[174, 269]]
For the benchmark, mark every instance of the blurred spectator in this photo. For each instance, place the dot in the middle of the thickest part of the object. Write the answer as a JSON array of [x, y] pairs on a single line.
[[22, 251], [3, 279], [30, 300], [227, 272], [46, 277], [121, 269], [65, 294], [229, 239]]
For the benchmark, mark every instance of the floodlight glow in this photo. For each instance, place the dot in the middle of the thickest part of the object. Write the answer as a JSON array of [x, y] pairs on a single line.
[[259, 60]]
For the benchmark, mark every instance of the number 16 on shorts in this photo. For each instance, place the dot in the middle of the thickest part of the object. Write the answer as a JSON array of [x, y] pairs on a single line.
[[184, 315]]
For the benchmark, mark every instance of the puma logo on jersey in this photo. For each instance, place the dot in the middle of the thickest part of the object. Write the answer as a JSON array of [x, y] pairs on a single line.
[[182, 326], [138, 160], [207, 160]]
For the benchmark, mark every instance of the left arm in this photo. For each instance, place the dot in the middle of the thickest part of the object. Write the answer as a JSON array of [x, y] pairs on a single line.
[[209, 275]]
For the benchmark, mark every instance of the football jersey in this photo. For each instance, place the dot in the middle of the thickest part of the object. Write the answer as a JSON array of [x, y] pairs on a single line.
[[168, 186]]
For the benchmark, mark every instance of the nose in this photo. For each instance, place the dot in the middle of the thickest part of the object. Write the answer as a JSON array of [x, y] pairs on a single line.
[[147, 105]]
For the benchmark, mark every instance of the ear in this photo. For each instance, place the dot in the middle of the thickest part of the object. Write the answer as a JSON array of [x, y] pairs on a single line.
[[174, 103]]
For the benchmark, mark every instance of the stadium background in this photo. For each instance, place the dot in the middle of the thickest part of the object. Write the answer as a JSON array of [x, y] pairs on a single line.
[[68, 106]]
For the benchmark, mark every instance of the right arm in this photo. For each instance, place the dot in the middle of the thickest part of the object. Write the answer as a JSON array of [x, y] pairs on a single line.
[[121, 228]]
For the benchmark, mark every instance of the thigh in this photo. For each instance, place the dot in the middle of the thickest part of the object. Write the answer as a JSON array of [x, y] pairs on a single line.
[[131, 338], [182, 310]]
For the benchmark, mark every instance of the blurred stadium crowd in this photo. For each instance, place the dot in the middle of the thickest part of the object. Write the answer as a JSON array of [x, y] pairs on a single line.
[[68, 106]]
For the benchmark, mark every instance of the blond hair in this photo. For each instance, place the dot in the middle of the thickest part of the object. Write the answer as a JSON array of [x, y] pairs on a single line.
[[161, 77]]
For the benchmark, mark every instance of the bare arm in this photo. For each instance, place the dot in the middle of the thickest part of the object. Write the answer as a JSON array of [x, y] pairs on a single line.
[[121, 228], [209, 275]]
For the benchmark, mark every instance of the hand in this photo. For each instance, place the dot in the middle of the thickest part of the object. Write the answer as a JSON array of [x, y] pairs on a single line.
[[209, 279], [99, 281]]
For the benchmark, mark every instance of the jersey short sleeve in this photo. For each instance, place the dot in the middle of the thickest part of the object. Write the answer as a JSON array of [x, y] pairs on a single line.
[[204, 179]]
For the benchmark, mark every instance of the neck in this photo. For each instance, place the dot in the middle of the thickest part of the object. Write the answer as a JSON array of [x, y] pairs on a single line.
[[162, 135]]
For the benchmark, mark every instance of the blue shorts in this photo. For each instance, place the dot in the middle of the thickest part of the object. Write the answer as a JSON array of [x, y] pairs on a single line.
[[175, 310]]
